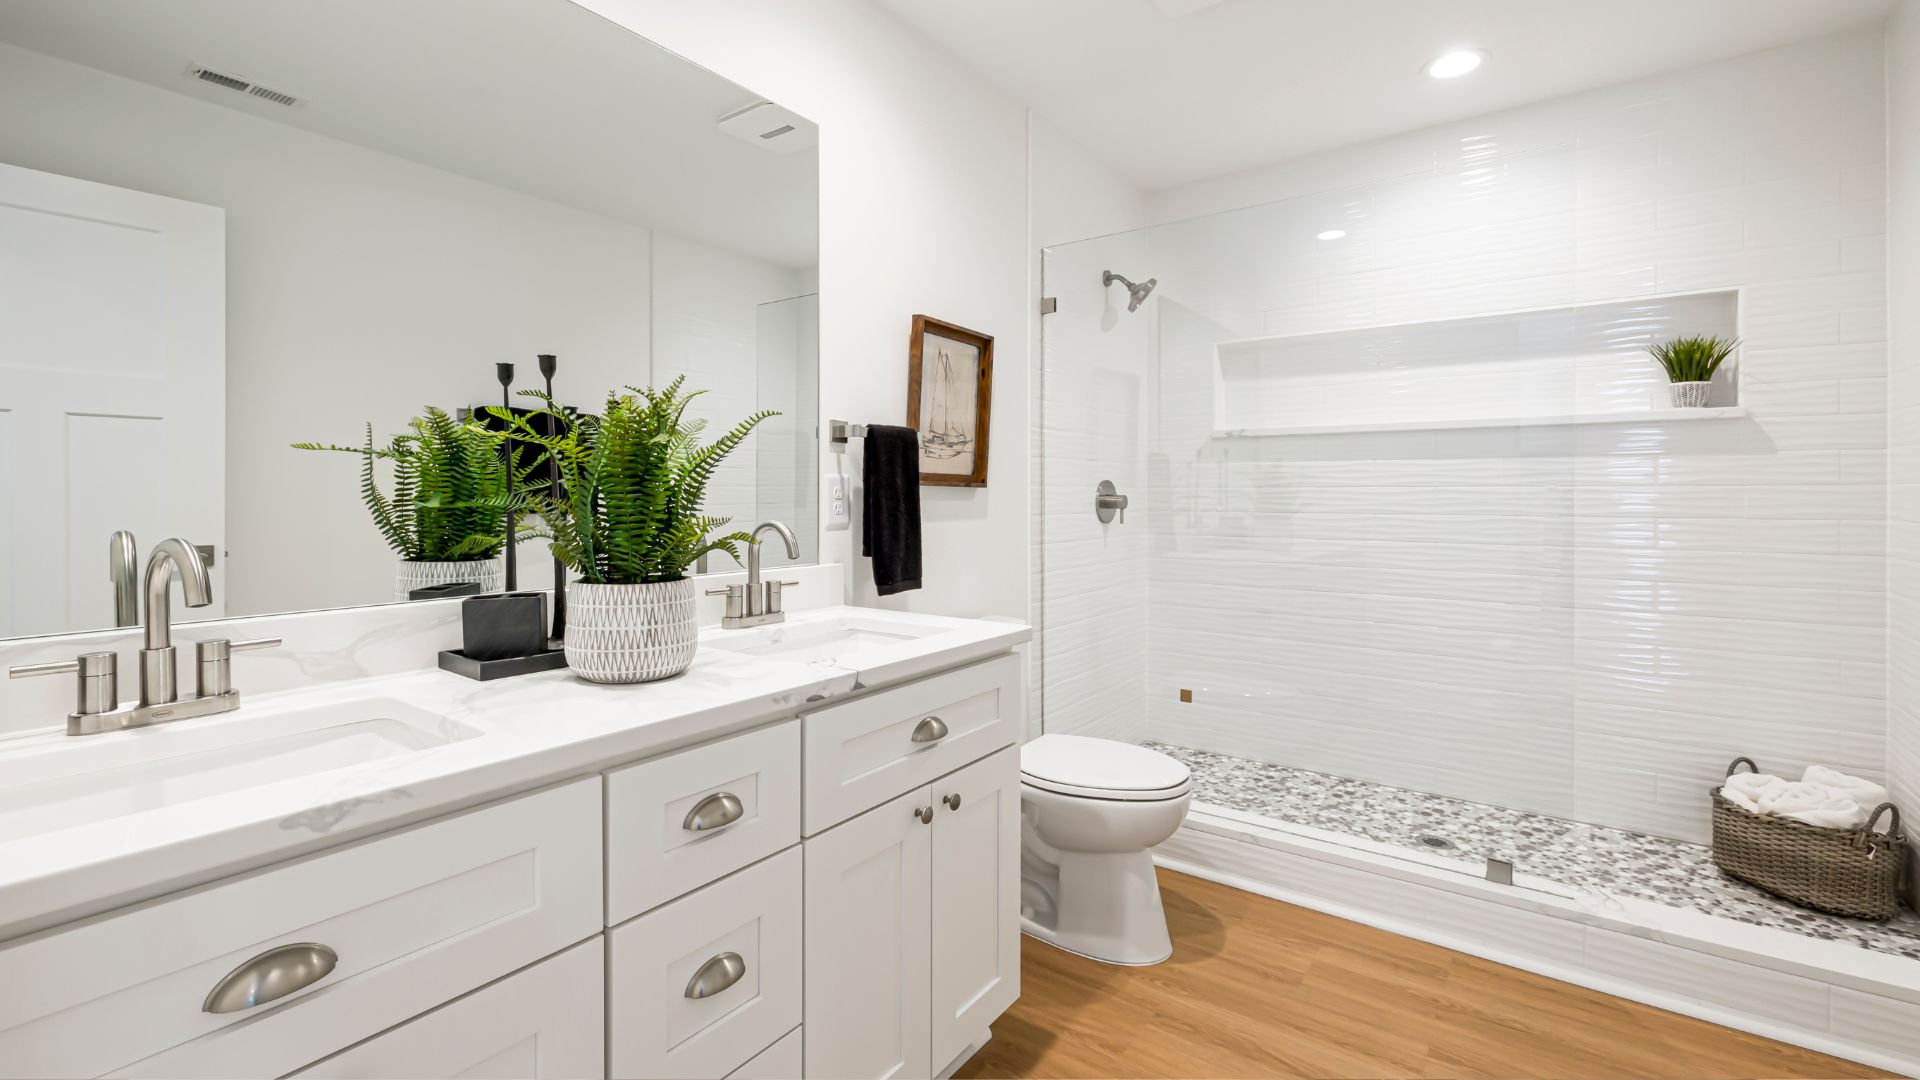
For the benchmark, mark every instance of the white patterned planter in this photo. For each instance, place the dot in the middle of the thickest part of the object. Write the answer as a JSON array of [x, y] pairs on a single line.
[[489, 574], [1690, 395], [630, 633]]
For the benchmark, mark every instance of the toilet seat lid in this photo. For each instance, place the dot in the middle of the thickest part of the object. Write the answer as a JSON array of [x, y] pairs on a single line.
[[1101, 768]]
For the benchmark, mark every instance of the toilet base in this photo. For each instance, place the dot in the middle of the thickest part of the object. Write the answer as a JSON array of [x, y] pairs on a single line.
[[1104, 907], [1042, 934]]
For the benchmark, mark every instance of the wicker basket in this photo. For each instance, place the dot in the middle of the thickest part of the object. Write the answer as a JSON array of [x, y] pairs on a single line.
[[1843, 872]]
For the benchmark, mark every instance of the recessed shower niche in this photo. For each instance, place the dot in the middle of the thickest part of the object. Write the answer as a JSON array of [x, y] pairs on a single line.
[[1584, 363]]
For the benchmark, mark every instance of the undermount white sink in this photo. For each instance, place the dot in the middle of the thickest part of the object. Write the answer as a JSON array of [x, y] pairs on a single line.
[[66, 781], [839, 639]]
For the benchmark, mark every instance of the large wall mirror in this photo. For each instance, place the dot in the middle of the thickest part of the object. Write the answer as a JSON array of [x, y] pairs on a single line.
[[229, 226]]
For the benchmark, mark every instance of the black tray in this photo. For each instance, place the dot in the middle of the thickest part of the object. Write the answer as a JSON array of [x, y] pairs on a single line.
[[485, 670]]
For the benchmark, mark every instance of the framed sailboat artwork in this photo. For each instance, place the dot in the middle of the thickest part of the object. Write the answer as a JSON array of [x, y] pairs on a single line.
[[949, 400]]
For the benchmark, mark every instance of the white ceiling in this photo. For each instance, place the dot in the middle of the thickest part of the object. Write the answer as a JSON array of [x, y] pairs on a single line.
[[539, 96], [1240, 83]]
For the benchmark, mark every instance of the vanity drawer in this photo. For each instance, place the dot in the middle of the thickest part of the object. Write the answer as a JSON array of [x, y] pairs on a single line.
[[862, 753], [781, 1061], [544, 1023], [416, 918], [657, 850], [655, 1028]]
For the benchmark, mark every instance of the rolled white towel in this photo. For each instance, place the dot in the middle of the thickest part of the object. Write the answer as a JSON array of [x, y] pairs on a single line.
[[1865, 792], [1746, 789], [1814, 804]]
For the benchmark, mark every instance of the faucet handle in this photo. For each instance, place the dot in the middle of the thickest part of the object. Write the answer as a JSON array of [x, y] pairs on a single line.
[[736, 599], [772, 595], [213, 663], [98, 685]]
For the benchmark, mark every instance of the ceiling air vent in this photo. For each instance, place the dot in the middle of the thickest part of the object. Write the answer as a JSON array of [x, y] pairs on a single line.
[[244, 86], [771, 127]]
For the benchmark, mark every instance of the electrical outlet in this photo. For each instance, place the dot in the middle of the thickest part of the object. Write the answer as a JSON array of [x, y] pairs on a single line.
[[837, 511]]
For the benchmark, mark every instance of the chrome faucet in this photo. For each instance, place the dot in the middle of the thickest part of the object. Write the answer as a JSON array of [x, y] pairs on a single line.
[[158, 679], [97, 706], [757, 602]]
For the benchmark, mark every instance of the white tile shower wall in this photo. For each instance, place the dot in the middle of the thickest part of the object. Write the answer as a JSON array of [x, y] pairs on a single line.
[[1587, 621], [1903, 402]]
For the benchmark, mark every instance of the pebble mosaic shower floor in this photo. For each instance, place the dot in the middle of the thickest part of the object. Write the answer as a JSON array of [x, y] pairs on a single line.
[[1663, 871]]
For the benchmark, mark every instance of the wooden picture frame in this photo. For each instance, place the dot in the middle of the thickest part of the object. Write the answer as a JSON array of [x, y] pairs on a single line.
[[950, 401]]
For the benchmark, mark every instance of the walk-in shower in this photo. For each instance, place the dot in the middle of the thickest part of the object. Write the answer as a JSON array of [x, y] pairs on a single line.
[[1417, 558]]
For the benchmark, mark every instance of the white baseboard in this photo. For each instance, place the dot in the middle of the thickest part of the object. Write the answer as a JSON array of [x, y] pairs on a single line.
[[1815, 994]]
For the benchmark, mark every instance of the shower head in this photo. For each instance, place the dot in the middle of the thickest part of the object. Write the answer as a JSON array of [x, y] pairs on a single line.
[[1136, 294]]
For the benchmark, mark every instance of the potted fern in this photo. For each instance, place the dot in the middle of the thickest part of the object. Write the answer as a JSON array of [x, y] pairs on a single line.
[[437, 520], [1690, 363], [627, 523]]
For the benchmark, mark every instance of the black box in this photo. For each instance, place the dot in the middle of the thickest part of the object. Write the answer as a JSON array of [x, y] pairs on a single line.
[[503, 626]]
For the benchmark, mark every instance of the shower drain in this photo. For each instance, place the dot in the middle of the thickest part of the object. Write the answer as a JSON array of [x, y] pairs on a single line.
[[1436, 843]]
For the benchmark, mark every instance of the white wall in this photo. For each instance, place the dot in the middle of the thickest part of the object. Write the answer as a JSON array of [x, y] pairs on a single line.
[[1586, 621], [923, 210], [362, 286], [1903, 429], [1091, 404]]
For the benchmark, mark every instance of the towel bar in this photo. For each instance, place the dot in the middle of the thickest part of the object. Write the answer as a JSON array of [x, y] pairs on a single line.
[[840, 431]]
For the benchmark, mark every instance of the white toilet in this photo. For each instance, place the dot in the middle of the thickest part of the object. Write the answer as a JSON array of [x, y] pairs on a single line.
[[1089, 810]]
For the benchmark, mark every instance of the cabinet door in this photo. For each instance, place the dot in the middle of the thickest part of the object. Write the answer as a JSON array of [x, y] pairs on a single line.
[[867, 969], [545, 1022], [976, 901]]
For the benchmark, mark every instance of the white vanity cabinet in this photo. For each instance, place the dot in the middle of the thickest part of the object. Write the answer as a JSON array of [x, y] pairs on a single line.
[[828, 895], [912, 906], [415, 918]]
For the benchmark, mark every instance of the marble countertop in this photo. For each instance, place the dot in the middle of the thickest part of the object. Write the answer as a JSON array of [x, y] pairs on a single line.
[[520, 733]]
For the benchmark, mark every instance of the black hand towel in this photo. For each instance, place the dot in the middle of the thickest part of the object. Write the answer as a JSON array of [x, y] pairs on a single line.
[[890, 503]]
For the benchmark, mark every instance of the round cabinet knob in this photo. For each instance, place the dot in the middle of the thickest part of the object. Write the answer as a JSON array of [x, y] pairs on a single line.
[[925, 814], [952, 801]]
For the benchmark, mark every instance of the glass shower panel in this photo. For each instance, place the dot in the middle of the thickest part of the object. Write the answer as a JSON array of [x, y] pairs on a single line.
[[1097, 383], [1344, 591]]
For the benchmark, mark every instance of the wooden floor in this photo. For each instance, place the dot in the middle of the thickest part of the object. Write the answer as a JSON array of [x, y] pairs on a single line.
[[1258, 988]]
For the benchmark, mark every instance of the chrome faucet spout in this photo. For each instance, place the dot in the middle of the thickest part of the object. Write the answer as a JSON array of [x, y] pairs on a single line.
[[197, 589], [158, 681], [753, 550]]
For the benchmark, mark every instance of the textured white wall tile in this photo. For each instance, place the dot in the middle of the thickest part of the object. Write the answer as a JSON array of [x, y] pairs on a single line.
[[1584, 621]]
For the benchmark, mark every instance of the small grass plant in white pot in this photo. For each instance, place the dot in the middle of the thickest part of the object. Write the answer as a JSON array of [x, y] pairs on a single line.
[[445, 475], [628, 523], [1690, 363]]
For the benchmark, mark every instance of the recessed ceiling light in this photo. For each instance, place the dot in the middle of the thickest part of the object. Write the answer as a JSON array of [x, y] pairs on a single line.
[[1331, 234], [1456, 63]]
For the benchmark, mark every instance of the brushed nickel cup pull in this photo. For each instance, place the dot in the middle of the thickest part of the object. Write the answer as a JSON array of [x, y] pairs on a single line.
[[716, 975], [925, 814], [952, 801], [716, 811], [930, 730], [271, 976]]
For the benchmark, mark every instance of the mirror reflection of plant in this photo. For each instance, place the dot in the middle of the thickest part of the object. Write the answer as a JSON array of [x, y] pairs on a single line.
[[1694, 358], [633, 481], [447, 478]]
